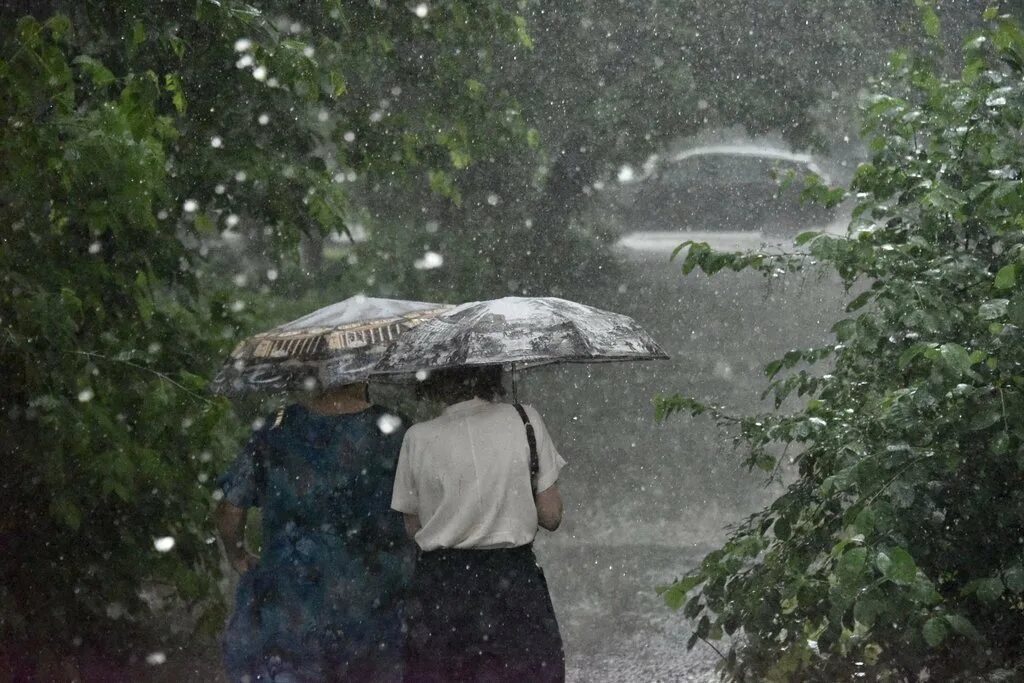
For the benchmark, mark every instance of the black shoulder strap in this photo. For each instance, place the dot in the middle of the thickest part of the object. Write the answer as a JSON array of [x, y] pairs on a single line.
[[531, 439]]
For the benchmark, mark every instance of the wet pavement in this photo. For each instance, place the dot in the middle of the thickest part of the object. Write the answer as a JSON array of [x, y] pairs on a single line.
[[614, 626]]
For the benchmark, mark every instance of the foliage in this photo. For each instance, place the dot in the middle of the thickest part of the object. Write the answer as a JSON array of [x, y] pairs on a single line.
[[897, 548], [139, 140]]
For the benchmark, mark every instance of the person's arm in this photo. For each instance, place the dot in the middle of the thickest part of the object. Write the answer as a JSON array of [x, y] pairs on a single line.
[[412, 524], [230, 521], [549, 500], [549, 507]]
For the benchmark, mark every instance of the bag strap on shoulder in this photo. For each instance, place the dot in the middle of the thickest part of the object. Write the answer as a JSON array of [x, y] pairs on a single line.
[[531, 439]]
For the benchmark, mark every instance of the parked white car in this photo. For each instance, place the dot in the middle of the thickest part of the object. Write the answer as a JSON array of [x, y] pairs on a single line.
[[732, 196]]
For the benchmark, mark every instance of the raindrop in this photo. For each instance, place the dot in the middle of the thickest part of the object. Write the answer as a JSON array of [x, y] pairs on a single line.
[[154, 348], [376, 116], [309, 384], [388, 423], [430, 260], [422, 375], [396, 91], [156, 658], [349, 136], [86, 395], [272, 274], [241, 176], [242, 44], [95, 247], [272, 82], [237, 306], [190, 206], [626, 174], [240, 279], [244, 61], [216, 142], [264, 119], [260, 73], [161, 215], [421, 10], [308, 51], [217, 495], [493, 199], [219, 189], [432, 227], [164, 544], [231, 221]]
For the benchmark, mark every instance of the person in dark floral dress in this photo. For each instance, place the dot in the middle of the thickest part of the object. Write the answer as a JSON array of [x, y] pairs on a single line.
[[323, 601]]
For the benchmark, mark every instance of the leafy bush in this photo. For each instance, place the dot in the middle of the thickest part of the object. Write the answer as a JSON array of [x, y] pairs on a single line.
[[898, 548], [133, 137]]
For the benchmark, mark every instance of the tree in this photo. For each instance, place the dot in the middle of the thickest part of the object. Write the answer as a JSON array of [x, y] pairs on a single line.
[[135, 136], [897, 548]]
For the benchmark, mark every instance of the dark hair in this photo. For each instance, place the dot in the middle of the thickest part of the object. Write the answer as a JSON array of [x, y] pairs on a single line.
[[452, 385]]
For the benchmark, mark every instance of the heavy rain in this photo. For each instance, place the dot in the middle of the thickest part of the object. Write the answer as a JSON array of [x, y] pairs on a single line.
[[752, 272]]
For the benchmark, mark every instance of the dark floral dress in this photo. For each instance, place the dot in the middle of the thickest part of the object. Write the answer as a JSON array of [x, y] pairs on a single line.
[[325, 602]]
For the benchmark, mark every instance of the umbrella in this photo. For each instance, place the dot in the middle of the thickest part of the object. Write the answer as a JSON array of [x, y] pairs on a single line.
[[335, 345], [519, 330]]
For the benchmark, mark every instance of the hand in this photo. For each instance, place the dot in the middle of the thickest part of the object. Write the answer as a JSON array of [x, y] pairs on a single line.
[[244, 561]]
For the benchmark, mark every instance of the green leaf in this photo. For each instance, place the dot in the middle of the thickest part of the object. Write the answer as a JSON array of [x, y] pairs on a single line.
[[138, 34], [1014, 578], [851, 566], [805, 237], [963, 626], [862, 300], [989, 590], [101, 76], [1006, 277], [675, 594], [993, 309], [675, 252], [897, 565], [929, 19], [867, 609], [845, 329], [935, 631], [173, 85], [956, 356], [339, 86]]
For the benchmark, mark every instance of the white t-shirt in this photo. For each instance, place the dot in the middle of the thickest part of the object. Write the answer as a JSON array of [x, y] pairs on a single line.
[[466, 474]]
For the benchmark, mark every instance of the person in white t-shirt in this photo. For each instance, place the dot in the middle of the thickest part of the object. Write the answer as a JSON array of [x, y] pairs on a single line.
[[473, 491]]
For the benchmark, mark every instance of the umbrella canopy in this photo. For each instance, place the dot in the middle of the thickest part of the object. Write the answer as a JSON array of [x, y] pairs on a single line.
[[527, 330], [335, 345]]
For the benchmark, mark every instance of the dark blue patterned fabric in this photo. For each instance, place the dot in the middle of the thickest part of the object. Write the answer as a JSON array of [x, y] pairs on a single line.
[[325, 601]]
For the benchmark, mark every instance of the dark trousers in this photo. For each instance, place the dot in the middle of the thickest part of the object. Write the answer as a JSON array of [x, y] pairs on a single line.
[[482, 616]]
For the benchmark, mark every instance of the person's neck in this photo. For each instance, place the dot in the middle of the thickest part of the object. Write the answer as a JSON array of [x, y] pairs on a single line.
[[350, 398]]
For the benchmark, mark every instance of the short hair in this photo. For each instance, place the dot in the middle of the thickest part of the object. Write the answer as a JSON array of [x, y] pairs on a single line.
[[452, 385]]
